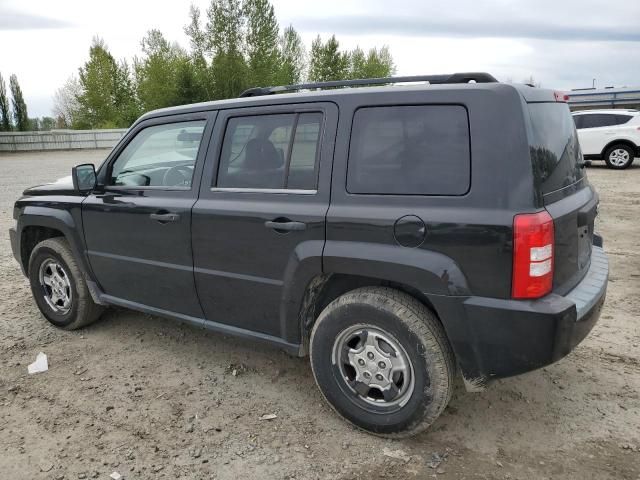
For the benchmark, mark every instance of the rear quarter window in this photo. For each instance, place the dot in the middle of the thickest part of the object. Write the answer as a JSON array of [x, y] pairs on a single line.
[[553, 146], [410, 150]]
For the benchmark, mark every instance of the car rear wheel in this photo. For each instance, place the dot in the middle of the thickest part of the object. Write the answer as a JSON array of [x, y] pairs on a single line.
[[58, 286], [382, 361], [619, 156]]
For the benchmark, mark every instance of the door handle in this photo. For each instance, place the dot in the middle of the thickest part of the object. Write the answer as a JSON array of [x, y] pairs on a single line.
[[285, 225], [165, 217]]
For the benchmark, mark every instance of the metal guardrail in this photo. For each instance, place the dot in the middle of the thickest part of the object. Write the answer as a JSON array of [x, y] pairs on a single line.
[[616, 98], [59, 140]]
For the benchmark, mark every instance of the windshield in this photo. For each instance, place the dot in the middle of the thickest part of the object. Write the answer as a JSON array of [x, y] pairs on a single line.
[[553, 144]]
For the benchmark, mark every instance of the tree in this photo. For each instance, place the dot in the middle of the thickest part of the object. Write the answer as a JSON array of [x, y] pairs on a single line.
[[47, 123], [293, 57], [375, 64], [19, 107], [5, 116], [197, 37], [225, 35], [156, 72], [107, 97], [327, 62], [263, 54], [65, 103], [196, 76]]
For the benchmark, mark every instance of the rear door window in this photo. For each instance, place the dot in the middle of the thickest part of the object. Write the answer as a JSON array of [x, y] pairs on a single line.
[[410, 150], [277, 151], [595, 120], [553, 145]]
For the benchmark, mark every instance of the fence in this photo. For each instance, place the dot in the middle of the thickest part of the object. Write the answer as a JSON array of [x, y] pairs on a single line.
[[59, 140]]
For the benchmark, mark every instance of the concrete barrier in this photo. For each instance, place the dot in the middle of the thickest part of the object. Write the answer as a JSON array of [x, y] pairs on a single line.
[[59, 140]]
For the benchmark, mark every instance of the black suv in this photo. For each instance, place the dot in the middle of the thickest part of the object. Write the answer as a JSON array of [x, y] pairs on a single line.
[[394, 233]]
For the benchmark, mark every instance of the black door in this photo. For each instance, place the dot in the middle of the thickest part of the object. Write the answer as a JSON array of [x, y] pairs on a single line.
[[138, 230], [259, 224]]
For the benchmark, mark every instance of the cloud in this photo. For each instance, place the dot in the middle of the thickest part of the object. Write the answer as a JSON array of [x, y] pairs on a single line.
[[408, 26], [11, 20]]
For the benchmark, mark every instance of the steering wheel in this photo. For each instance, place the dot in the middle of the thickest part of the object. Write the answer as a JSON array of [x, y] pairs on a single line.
[[179, 175]]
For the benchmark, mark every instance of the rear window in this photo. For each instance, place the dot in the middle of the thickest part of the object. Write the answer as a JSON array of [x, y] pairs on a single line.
[[554, 148], [410, 150]]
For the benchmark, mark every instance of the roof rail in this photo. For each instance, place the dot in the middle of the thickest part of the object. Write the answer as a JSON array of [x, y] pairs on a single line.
[[466, 77]]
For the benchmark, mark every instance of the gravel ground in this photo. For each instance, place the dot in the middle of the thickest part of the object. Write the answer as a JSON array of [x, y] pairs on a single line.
[[151, 398]]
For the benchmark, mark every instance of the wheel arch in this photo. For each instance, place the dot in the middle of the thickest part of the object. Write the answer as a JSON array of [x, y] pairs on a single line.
[[323, 289], [39, 223], [621, 141]]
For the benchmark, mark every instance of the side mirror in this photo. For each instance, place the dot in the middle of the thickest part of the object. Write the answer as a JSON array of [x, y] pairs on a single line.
[[84, 177]]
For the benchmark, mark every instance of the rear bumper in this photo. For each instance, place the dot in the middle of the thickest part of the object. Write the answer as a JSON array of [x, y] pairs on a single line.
[[496, 338]]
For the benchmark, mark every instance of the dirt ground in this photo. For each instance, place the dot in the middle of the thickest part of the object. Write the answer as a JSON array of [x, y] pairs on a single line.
[[151, 398]]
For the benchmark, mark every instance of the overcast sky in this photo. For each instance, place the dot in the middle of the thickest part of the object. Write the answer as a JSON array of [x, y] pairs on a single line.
[[564, 44]]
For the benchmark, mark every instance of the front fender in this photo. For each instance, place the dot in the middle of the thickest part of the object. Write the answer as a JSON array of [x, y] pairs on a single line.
[[65, 218]]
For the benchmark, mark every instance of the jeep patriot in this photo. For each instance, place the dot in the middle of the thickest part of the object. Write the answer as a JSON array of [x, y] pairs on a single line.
[[398, 234]]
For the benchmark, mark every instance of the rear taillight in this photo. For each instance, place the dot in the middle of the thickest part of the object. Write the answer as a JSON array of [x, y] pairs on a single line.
[[532, 255], [561, 96]]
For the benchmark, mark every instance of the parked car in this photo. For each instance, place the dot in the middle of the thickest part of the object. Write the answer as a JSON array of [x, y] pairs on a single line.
[[395, 234], [609, 135]]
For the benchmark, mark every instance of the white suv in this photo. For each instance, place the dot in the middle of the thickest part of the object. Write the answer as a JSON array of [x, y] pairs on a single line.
[[609, 135]]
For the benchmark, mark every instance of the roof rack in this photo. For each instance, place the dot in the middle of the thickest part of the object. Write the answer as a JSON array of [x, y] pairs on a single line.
[[466, 77]]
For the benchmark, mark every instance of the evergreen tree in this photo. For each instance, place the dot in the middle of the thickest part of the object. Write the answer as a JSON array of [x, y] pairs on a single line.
[[263, 54], [5, 116], [19, 107], [225, 36], [293, 56], [327, 62]]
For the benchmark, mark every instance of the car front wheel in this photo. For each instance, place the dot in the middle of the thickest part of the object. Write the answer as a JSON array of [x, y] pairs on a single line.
[[382, 361], [58, 286]]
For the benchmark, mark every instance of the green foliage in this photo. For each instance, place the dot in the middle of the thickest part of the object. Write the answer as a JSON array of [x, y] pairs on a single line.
[[375, 64], [156, 73], [224, 31], [293, 57], [238, 46], [47, 123], [5, 116], [327, 62], [107, 98], [263, 53], [18, 105]]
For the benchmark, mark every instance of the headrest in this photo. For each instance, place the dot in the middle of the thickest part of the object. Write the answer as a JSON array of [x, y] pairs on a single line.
[[262, 155]]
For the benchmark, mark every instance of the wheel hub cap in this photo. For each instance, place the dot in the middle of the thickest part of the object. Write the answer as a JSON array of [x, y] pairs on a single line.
[[374, 366], [56, 286], [619, 157]]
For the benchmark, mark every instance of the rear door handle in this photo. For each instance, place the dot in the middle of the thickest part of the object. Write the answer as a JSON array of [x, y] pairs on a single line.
[[285, 225], [165, 217]]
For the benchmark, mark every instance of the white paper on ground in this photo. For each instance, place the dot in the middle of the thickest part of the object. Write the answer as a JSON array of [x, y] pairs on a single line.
[[40, 365]]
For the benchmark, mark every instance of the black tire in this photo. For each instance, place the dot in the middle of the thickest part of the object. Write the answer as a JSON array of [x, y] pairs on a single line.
[[614, 157], [416, 331], [81, 310]]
